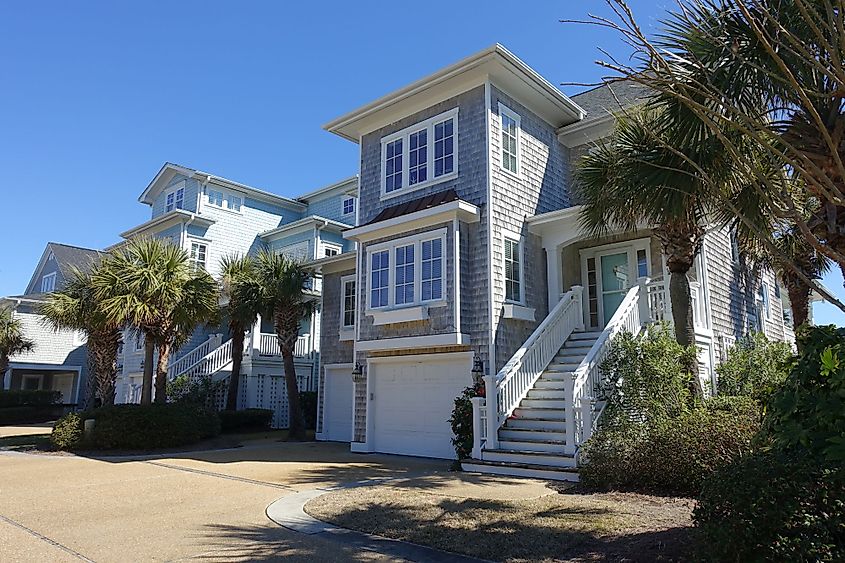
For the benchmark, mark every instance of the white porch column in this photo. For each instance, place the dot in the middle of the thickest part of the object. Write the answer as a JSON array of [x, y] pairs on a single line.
[[492, 412], [255, 338], [553, 269], [7, 379]]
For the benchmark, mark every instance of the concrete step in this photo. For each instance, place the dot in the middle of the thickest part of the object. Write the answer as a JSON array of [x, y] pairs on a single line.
[[535, 458], [554, 447], [543, 404], [550, 424], [515, 469], [532, 434], [541, 393], [523, 412], [551, 384]]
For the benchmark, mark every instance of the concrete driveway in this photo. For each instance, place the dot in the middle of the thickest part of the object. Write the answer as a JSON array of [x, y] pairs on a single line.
[[205, 505]]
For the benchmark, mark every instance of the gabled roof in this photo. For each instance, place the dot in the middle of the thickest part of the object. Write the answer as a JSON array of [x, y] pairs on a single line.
[[347, 186], [610, 98], [309, 222], [495, 63], [169, 170], [172, 217], [68, 257]]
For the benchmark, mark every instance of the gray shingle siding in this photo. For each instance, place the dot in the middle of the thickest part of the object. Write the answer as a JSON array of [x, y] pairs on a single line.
[[332, 350]]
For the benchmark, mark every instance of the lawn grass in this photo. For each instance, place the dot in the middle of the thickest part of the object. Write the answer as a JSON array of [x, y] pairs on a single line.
[[557, 527]]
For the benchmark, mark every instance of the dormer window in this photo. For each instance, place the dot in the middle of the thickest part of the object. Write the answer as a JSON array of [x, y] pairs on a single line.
[[420, 155], [348, 205], [175, 199], [48, 283], [224, 200]]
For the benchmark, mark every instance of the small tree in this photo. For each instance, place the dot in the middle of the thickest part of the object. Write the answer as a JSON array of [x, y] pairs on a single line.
[[284, 296], [12, 340], [242, 292], [76, 307]]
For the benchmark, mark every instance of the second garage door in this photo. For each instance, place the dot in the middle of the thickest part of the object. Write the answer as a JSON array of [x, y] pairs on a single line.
[[413, 400]]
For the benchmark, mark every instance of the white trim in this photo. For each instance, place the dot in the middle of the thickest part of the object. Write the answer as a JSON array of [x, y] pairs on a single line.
[[174, 191], [488, 127], [411, 342], [225, 199], [168, 219], [520, 240], [332, 367], [301, 226], [38, 376], [342, 321], [444, 213], [506, 111], [329, 246], [630, 248], [586, 131], [404, 136], [518, 312], [401, 315], [405, 358], [390, 246], [344, 201]]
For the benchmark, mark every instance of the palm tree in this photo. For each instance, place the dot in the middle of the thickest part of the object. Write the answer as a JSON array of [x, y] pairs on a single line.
[[76, 307], [12, 340], [243, 295], [284, 297], [151, 285]]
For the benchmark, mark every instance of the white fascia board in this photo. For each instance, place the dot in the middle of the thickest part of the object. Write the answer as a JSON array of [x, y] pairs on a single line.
[[168, 219], [412, 342], [302, 225], [495, 61], [459, 209], [588, 131], [168, 169], [344, 186], [337, 263]]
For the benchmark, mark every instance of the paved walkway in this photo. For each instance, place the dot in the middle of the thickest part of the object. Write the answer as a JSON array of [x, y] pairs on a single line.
[[208, 505], [26, 429]]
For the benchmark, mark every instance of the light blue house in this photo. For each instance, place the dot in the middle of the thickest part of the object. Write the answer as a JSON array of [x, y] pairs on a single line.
[[211, 217]]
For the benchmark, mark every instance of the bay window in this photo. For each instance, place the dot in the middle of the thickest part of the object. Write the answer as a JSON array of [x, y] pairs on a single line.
[[419, 155]]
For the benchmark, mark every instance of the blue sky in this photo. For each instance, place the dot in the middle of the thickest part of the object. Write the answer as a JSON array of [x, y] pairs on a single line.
[[96, 96]]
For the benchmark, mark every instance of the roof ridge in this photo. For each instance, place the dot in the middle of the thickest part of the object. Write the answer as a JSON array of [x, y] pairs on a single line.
[[75, 246]]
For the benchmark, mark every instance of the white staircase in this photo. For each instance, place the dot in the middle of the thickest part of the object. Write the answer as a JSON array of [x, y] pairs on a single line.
[[538, 434]]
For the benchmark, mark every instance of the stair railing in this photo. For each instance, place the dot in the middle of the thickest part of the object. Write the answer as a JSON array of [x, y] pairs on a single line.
[[586, 379], [194, 356], [511, 384]]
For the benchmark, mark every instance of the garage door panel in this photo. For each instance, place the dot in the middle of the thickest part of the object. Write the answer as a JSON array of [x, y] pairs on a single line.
[[413, 402]]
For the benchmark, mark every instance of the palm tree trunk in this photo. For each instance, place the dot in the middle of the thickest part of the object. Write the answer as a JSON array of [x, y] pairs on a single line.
[[92, 381], [799, 299], [682, 318], [147, 384], [296, 424], [161, 372], [235, 377], [106, 360]]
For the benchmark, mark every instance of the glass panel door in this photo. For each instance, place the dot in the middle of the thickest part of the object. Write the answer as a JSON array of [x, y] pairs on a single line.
[[615, 281]]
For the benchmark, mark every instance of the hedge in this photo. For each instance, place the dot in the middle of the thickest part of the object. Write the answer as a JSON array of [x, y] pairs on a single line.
[[19, 398], [137, 427], [247, 419]]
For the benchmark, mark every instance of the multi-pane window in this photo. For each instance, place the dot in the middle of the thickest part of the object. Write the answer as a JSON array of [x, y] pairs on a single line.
[[198, 254], [48, 283], [234, 202], [444, 147], [404, 283], [393, 166], [420, 154], [432, 270], [592, 291], [330, 250], [215, 197], [349, 303], [510, 140], [417, 157], [642, 264], [139, 342], [349, 206], [513, 273], [380, 279], [175, 200], [225, 200]]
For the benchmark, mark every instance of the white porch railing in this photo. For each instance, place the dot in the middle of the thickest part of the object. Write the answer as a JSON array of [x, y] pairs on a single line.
[[268, 345], [586, 379], [508, 387], [213, 362], [660, 306], [194, 356]]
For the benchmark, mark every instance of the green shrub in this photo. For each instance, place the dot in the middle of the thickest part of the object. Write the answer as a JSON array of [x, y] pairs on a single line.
[[808, 411], [188, 391], [20, 398], [247, 419], [67, 432], [461, 421], [773, 506], [670, 455], [308, 404], [755, 367], [142, 427]]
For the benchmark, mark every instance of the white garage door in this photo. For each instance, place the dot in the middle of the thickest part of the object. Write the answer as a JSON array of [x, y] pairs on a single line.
[[337, 404], [413, 400]]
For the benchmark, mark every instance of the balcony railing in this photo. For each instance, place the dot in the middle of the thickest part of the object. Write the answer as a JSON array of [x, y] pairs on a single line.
[[268, 346], [660, 306]]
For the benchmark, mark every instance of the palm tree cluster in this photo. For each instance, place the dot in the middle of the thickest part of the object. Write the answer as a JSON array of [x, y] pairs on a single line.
[[151, 287]]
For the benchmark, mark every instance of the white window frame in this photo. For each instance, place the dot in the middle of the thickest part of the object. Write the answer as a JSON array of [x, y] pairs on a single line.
[[139, 342], [506, 111], [329, 246], [405, 134], [30, 376], [48, 283], [343, 310], [766, 300], [225, 199], [519, 239], [178, 202], [391, 246], [351, 201], [193, 260]]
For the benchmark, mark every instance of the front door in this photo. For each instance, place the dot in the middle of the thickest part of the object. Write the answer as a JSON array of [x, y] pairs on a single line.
[[614, 280]]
